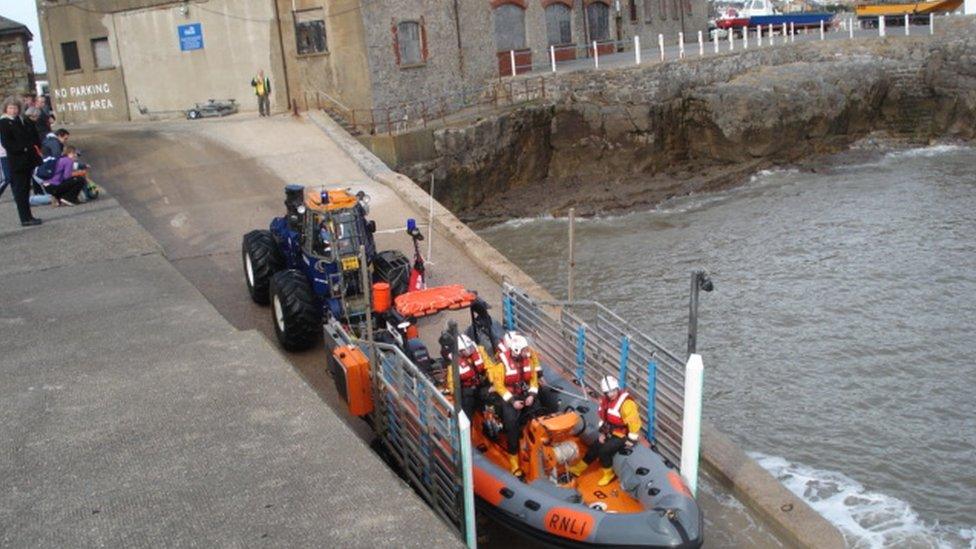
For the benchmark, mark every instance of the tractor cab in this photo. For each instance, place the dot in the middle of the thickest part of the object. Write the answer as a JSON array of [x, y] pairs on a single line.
[[335, 227], [308, 267]]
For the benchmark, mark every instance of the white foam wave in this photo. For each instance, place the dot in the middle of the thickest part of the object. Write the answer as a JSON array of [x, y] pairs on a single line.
[[925, 152], [867, 519], [517, 222]]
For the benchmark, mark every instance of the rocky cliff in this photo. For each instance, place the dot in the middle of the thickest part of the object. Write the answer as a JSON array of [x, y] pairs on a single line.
[[631, 137]]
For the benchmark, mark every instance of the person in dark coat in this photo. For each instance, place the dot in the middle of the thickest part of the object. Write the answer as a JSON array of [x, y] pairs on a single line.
[[19, 140]]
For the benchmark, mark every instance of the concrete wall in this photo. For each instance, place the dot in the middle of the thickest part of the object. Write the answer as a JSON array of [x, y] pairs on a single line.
[[16, 69], [239, 38], [341, 71], [87, 94]]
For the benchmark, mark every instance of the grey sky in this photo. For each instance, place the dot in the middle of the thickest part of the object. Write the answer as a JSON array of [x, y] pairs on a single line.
[[25, 11]]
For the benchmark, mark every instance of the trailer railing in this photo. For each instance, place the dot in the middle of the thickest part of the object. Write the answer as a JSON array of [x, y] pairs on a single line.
[[421, 431], [586, 341]]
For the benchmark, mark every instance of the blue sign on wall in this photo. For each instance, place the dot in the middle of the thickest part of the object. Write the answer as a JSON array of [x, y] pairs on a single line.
[[191, 37]]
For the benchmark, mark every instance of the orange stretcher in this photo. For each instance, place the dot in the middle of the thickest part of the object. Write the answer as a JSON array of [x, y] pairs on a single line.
[[434, 300]]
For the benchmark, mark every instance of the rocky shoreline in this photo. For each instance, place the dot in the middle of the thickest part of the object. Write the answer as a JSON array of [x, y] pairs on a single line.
[[630, 138]]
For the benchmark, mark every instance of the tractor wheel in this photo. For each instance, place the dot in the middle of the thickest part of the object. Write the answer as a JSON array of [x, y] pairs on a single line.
[[262, 258], [295, 310]]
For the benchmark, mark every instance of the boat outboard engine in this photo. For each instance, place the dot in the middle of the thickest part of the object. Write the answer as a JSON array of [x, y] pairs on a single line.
[[295, 204]]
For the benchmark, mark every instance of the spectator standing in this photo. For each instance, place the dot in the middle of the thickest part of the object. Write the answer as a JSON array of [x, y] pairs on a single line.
[[4, 171], [262, 89], [18, 141], [45, 118]]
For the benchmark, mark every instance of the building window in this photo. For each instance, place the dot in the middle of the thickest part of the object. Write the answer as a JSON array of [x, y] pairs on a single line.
[[633, 11], [101, 53], [559, 24], [509, 27], [69, 54], [598, 18], [688, 7], [310, 31], [663, 5], [675, 9], [648, 9], [410, 43]]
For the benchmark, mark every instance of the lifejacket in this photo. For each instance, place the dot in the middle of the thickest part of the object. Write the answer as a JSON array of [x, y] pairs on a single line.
[[518, 372], [470, 369], [610, 414]]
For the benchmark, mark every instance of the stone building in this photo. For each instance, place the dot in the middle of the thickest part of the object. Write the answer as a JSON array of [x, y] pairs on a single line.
[[122, 59], [16, 67]]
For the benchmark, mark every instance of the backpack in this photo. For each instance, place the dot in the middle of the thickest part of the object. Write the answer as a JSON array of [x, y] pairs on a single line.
[[45, 171]]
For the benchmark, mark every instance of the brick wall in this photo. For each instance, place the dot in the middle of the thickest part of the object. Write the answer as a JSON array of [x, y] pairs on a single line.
[[16, 72]]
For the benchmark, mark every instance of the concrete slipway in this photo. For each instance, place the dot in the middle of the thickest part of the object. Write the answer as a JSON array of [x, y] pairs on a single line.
[[143, 396]]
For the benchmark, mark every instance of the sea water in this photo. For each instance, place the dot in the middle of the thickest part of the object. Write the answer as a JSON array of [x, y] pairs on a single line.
[[840, 341]]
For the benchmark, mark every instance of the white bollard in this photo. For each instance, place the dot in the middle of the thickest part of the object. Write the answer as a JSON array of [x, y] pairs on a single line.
[[759, 35], [660, 45], [850, 29], [467, 480], [701, 44], [512, 60], [881, 23], [731, 40], [770, 34], [552, 57], [785, 34], [792, 32], [931, 24], [637, 52], [596, 56], [715, 42], [681, 45], [691, 421], [907, 26], [821, 29], [745, 38]]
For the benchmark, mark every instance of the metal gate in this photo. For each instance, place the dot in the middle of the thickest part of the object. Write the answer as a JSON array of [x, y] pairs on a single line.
[[586, 341], [426, 438]]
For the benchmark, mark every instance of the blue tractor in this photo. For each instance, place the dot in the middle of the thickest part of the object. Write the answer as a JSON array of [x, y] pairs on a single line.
[[309, 266]]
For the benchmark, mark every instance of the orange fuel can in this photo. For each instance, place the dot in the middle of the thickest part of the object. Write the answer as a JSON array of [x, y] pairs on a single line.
[[354, 368], [382, 297]]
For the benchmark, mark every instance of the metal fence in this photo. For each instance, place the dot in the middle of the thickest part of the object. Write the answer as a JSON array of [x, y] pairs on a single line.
[[586, 341], [405, 117], [421, 431]]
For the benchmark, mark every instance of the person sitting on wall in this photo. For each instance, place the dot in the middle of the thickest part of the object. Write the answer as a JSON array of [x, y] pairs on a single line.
[[68, 180]]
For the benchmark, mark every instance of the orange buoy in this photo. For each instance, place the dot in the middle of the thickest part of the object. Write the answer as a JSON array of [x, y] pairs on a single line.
[[382, 297]]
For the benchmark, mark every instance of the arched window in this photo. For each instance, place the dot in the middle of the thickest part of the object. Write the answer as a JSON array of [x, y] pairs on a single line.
[[559, 24], [598, 19], [663, 6], [509, 27], [675, 8]]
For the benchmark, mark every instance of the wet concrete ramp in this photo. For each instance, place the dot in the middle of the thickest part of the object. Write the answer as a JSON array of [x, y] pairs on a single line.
[[133, 414]]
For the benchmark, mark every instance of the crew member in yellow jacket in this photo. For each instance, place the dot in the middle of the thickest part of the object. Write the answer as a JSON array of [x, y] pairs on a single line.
[[515, 378], [620, 426]]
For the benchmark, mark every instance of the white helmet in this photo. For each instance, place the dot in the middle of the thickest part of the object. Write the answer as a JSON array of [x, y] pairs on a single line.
[[608, 383], [515, 342], [465, 345]]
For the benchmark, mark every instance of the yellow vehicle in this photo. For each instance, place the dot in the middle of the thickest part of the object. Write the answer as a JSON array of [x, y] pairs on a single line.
[[894, 14]]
